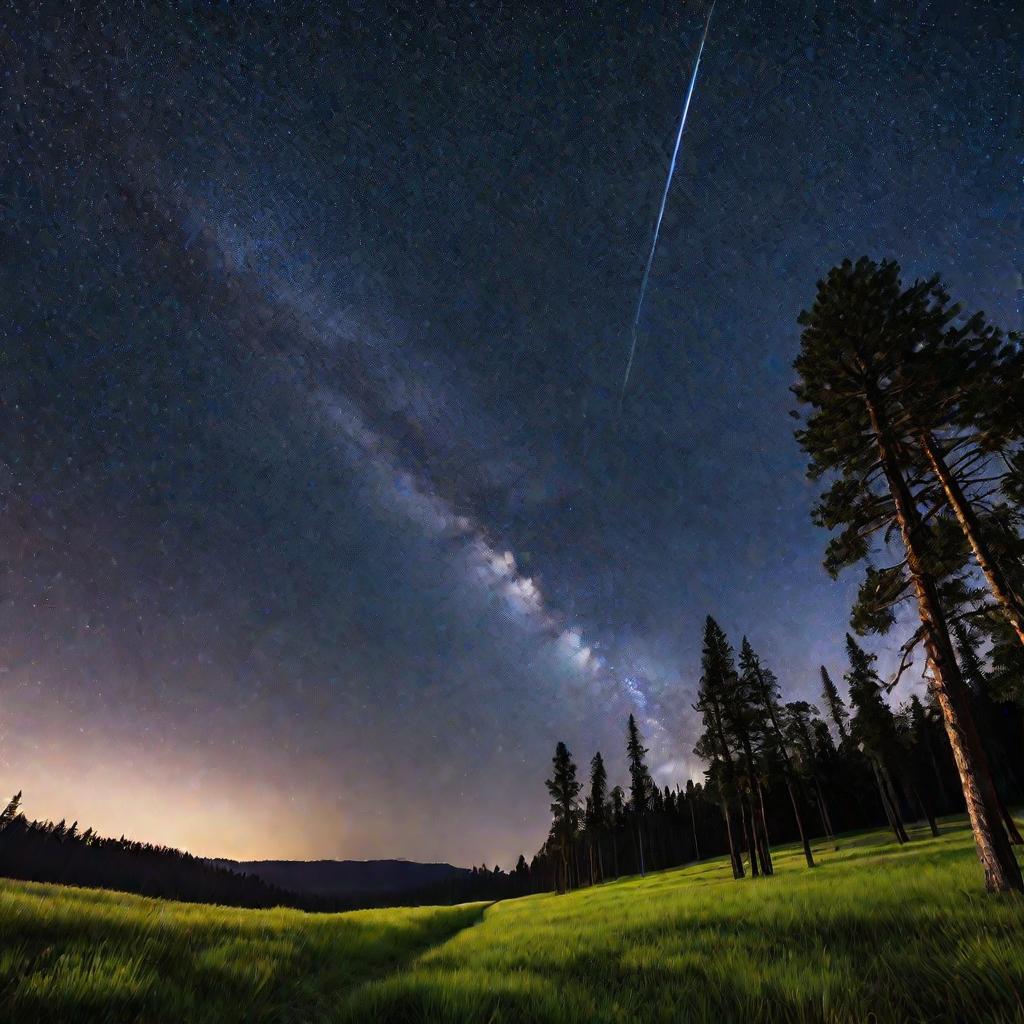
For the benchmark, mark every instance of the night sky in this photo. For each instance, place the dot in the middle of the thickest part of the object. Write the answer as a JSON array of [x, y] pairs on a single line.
[[319, 526]]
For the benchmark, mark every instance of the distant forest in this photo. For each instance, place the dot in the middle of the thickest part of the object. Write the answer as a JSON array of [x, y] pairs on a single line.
[[47, 851], [913, 414]]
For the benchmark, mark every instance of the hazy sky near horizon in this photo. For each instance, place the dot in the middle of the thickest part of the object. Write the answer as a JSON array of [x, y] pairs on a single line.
[[319, 525]]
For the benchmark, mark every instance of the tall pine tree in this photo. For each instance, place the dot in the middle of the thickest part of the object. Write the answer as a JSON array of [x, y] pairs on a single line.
[[834, 703], [565, 792], [598, 810], [715, 746], [857, 345], [639, 785]]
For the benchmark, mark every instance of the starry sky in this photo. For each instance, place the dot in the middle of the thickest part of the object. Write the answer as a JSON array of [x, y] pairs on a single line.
[[319, 525]]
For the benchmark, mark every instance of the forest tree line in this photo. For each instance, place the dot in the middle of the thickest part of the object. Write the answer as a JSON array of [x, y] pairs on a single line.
[[48, 851], [778, 772]]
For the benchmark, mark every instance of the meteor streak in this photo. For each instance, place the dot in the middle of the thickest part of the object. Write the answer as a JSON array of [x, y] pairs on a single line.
[[664, 200]]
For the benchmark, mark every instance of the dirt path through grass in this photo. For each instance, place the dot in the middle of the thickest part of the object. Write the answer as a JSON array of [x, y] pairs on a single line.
[[350, 1008]]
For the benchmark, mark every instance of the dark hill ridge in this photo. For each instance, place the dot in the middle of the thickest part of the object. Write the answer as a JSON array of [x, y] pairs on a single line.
[[345, 877]]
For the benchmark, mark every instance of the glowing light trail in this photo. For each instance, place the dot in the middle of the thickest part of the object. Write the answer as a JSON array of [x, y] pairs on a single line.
[[664, 200]]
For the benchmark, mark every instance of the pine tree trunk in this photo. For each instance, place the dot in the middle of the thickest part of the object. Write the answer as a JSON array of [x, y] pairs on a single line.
[[693, 823], [764, 816], [1002, 591], [734, 853], [826, 818], [767, 865], [894, 801], [894, 822], [764, 830], [804, 842], [1002, 872], [764, 847], [749, 841]]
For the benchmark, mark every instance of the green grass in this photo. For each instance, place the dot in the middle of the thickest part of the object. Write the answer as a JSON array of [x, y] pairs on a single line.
[[875, 933], [76, 955]]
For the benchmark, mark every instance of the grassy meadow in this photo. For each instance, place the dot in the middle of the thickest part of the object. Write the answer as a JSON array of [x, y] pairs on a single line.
[[875, 933], [78, 955]]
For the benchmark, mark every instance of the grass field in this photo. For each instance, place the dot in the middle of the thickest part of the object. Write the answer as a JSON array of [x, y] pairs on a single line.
[[875, 933]]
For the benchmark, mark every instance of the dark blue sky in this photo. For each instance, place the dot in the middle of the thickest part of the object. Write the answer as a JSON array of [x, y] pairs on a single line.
[[322, 526]]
